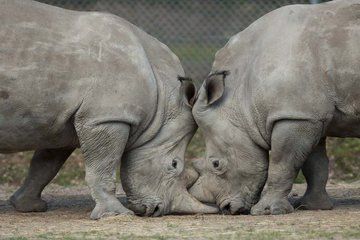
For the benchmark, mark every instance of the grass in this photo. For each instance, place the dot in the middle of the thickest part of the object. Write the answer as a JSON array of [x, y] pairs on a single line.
[[196, 59], [194, 52], [345, 154], [13, 173], [17, 238], [300, 178], [196, 148], [14, 168]]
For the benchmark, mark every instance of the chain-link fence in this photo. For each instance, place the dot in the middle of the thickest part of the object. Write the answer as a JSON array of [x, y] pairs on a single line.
[[193, 29]]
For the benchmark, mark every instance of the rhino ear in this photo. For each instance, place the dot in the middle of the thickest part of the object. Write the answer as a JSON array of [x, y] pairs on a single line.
[[187, 91], [215, 85]]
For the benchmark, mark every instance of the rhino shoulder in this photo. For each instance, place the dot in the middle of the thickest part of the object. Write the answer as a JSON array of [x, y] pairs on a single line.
[[126, 88]]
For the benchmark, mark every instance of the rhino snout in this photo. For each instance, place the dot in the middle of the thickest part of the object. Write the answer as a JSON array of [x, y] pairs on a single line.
[[234, 207], [156, 210], [148, 208]]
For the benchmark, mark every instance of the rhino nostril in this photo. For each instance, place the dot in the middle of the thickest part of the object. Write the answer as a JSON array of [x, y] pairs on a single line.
[[226, 209], [242, 210], [234, 210], [156, 209]]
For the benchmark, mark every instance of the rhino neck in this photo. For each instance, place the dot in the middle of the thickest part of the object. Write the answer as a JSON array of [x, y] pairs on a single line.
[[254, 126], [152, 127], [244, 109]]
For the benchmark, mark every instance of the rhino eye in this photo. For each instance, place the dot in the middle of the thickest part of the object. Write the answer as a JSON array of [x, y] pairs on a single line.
[[215, 163], [174, 163]]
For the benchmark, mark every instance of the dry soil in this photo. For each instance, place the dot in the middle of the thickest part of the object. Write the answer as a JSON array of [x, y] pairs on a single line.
[[69, 209]]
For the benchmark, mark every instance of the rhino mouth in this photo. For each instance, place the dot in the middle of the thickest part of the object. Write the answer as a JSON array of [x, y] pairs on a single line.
[[148, 206], [155, 210], [150, 210]]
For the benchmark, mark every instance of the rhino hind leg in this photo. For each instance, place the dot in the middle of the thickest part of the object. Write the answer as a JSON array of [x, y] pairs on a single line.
[[291, 143], [103, 146], [316, 172], [44, 166]]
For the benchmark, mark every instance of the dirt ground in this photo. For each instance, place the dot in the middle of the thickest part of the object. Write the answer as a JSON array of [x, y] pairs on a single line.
[[68, 218]]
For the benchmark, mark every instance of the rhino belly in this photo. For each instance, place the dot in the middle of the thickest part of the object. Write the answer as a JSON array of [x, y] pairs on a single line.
[[344, 125], [24, 130]]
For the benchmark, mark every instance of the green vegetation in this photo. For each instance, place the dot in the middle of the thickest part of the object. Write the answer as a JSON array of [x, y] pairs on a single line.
[[300, 178], [14, 168], [13, 173], [345, 155], [196, 147], [17, 238], [194, 52]]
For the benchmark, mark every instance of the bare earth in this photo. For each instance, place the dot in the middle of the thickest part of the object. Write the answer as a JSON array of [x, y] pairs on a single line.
[[68, 218]]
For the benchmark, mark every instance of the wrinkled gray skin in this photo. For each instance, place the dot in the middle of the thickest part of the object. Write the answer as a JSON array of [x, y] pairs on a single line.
[[294, 80], [71, 79]]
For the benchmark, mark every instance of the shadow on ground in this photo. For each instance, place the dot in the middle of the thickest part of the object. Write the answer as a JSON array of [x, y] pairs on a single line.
[[69, 210]]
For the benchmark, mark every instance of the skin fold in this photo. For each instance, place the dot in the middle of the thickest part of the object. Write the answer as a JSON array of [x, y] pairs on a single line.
[[92, 80], [281, 86]]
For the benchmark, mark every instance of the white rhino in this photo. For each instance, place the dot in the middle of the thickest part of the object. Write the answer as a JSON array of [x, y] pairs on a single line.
[[283, 85], [73, 79]]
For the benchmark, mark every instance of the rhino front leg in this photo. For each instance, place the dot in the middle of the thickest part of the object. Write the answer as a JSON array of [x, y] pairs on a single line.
[[44, 166], [291, 144], [103, 146], [316, 172]]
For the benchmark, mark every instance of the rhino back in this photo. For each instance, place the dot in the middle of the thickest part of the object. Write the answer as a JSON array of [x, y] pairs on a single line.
[[297, 62], [55, 61]]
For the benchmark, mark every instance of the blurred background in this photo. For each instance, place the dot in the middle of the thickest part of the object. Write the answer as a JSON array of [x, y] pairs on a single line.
[[194, 30]]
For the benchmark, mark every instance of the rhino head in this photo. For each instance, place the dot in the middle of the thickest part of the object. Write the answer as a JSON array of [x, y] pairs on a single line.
[[235, 169], [153, 175]]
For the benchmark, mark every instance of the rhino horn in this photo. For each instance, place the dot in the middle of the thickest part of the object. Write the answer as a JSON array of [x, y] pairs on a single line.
[[184, 203], [190, 175], [201, 192]]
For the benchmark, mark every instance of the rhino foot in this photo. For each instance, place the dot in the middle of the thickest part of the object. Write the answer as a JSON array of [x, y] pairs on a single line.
[[266, 207], [112, 209], [319, 201], [28, 204]]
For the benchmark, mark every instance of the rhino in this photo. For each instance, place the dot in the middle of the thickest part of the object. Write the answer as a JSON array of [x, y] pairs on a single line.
[[94, 81], [281, 86]]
